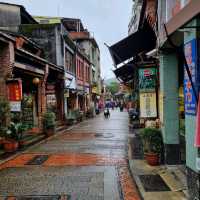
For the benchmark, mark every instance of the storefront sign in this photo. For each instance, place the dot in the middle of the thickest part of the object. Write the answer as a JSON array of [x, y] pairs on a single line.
[[147, 79], [87, 90], [66, 93], [15, 106], [51, 100], [94, 89], [148, 106], [191, 57], [50, 88], [14, 90]]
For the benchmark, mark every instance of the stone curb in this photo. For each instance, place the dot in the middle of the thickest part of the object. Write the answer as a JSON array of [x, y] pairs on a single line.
[[135, 178]]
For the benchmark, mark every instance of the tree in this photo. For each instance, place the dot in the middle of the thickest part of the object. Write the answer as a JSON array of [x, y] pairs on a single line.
[[113, 87]]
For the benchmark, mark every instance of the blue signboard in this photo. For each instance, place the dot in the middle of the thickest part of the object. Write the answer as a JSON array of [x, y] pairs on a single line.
[[190, 50]]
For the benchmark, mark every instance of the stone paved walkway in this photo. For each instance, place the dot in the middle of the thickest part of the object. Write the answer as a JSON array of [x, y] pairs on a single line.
[[88, 162]]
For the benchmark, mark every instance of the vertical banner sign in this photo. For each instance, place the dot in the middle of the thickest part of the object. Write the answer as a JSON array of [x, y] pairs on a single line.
[[14, 90], [148, 107], [190, 50], [147, 79]]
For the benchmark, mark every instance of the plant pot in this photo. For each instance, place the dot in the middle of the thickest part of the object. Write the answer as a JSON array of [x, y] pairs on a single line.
[[152, 158], [22, 143], [50, 131], [2, 140], [10, 146]]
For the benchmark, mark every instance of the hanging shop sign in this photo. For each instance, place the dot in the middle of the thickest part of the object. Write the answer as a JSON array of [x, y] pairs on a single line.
[[94, 89], [190, 49], [51, 100], [87, 90], [14, 88], [147, 79], [66, 93], [148, 105], [50, 88]]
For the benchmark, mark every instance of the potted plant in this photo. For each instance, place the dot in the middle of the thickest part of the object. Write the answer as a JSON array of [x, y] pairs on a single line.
[[49, 123], [152, 144], [13, 136], [4, 116]]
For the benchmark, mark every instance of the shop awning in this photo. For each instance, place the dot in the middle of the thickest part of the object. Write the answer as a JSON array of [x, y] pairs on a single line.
[[143, 40], [125, 72]]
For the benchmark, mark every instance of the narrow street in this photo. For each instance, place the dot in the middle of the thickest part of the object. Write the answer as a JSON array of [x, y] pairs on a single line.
[[87, 162]]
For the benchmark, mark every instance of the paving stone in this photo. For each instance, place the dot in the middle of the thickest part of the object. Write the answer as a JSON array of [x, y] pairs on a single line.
[[83, 163]]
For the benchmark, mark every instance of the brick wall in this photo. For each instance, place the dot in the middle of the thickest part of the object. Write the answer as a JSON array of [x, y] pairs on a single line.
[[6, 65]]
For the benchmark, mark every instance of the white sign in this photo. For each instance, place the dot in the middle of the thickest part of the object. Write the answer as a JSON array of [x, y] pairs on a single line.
[[148, 106], [15, 106]]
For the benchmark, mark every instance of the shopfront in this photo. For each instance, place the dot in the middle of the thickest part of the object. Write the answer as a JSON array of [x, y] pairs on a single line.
[[30, 103], [55, 93]]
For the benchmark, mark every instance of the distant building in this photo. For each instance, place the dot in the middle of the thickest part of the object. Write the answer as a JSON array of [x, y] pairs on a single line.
[[135, 16]]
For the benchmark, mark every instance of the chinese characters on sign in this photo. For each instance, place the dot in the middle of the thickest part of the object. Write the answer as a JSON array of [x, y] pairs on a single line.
[[191, 57], [14, 88], [148, 107], [147, 79]]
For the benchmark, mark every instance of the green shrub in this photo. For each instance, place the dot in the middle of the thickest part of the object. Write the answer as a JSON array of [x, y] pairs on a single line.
[[15, 131], [152, 140], [49, 120], [4, 115]]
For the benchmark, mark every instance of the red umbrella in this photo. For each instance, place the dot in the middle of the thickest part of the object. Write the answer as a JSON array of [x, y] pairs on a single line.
[[197, 132]]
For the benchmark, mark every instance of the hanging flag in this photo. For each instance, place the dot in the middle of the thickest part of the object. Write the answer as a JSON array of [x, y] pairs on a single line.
[[197, 132]]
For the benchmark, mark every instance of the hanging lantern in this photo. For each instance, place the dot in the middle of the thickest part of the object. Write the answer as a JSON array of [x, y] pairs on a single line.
[[36, 81]]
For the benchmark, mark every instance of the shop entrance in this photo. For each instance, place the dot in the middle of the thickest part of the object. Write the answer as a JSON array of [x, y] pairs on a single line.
[[29, 105]]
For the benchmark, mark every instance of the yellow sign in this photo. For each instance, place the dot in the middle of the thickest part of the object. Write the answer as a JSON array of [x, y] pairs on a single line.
[[148, 106], [94, 90], [66, 93]]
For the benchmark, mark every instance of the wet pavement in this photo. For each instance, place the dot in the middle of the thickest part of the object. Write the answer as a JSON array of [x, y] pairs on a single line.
[[88, 162]]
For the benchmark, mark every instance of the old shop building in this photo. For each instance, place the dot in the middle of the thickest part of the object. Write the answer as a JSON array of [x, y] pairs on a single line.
[[179, 72], [24, 77]]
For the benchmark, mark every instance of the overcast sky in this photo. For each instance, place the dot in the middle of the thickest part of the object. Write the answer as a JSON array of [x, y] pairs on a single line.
[[107, 20]]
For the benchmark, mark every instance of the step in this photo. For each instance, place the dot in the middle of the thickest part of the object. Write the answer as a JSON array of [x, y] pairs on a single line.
[[174, 179], [61, 128], [31, 139]]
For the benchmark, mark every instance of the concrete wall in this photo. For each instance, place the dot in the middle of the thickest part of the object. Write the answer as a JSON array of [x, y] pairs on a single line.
[[45, 37], [9, 15], [169, 91], [60, 47], [94, 55]]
